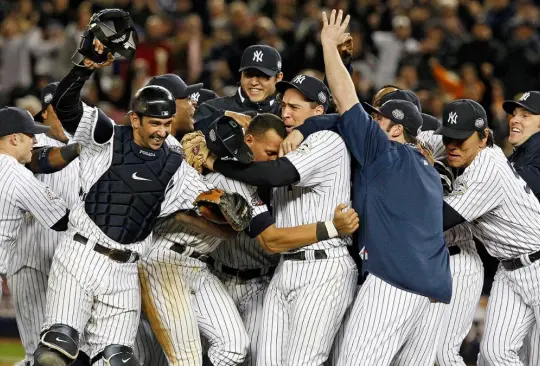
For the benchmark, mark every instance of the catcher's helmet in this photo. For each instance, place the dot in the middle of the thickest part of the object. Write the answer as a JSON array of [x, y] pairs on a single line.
[[112, 27], [154, 101]]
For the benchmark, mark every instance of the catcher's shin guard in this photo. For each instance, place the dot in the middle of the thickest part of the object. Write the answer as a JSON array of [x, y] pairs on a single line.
[[117, 355], [59, 346]]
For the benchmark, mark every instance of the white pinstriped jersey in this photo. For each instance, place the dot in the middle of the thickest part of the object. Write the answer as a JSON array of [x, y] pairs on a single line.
[[22, 195], [3, 260], [503, 211], [324, 165], [185, 185], [35, 243], [169, 231], [243, 252]]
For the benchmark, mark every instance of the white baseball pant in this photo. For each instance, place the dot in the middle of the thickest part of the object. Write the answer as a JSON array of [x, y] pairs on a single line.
[[180, 297], [98, 297], [304, 307], [147, 348], [28, 288], [513, 310], [467, 281], [385, 322], [248, 296]]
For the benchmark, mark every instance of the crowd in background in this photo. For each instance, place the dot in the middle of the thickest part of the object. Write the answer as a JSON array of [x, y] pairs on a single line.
[[443, 50]]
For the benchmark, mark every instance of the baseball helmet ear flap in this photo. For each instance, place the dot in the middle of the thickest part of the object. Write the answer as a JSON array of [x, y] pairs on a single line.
[[115, 29]]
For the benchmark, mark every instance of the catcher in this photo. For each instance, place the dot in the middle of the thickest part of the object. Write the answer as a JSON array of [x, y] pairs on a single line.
[[246, 264]]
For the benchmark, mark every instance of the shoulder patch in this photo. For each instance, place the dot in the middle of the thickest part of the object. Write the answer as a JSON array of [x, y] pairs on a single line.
[[304, 148]]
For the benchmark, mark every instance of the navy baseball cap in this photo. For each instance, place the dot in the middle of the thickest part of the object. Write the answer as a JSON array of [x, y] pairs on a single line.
[[529, 100], [310, 87], [429, 123], [18, 120], [400, 112], [225, 138], [263, 58], [175, 85], [461, 118], [47, 94], [203, 95]]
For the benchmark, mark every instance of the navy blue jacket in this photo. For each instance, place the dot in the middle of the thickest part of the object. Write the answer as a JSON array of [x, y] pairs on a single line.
[[526, 160], [399, 198]]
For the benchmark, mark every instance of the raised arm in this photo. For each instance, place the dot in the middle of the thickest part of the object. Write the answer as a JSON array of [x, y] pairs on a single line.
[[49, 160]]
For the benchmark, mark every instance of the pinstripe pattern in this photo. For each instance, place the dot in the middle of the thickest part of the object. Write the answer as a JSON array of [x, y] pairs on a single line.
[[434, 142], [506, 215], [184, 297], [22, 195], [248, 296], [303, 309], [467, 280], [147, 348], [323, 163], [28, 287], [511, 314], [377, 329], [89, 298], [530, 353]]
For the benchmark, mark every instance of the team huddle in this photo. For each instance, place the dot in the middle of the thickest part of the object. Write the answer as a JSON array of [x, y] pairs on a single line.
[[288, 224]]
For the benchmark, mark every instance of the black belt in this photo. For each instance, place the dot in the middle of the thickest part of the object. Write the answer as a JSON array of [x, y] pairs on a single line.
[[516, 263], [301, 256], [181, 249], [243, 274], [122, 256], [454, 250]]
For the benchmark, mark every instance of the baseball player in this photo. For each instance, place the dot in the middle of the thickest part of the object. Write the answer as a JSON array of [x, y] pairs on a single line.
[[504, 214], [524, 133], [393, 142], [314, 180], [202, 96], [31, 258], [99, 296]]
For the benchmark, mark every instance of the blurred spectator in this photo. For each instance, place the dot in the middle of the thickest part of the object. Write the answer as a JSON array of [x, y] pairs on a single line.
[[154, 48]]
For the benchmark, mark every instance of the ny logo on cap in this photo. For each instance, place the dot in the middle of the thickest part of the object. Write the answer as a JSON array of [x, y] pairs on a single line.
[[452, 118], [525, 96], [195, 96], [48, 98], [257, 56], [299, 79]]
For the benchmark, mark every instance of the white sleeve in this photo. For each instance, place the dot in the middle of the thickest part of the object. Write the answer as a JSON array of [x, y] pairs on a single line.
[[185, 185], [247, 191], [476, 192], [316, 157], [38, 199], [434, 143]]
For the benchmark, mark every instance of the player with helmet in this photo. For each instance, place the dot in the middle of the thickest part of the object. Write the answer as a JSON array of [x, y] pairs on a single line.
[[129, 176]]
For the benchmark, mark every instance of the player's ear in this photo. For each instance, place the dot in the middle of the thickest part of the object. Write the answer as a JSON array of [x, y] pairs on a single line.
[[397, 130], [319, 110], [249, 139], [135, 121], [279, 76]]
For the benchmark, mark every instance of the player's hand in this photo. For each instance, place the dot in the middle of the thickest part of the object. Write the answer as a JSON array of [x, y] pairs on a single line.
[[291, 143], [346, 220], [345, 49], [333, 31], [99, 48], [209, 162], [243, 119]]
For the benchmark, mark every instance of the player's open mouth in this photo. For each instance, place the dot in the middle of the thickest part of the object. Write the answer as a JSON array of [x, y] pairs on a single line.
[[289, 128], [255, 91], [516, 130]]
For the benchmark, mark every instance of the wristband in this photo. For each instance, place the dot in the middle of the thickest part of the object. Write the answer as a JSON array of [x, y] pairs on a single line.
[[331, 229], [322, 231]]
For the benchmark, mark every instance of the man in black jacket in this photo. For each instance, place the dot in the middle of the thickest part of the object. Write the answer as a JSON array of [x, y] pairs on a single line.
[[260, 70], [525, 137]]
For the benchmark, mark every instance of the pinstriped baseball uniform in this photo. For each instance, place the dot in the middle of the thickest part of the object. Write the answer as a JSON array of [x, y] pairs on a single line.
[[306, 299], [31, 259], [193, 281], [97, 295], [3, 266], [467, 278], [505, 215]]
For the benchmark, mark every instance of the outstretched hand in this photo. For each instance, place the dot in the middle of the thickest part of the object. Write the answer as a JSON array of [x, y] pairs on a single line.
[[333, 31]]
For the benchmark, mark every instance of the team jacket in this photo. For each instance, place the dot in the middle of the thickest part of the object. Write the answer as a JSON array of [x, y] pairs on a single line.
[[526, 161]]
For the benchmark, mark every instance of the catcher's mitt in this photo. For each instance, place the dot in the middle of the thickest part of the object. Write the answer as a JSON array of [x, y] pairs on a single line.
[[224, 208], [195, 150]]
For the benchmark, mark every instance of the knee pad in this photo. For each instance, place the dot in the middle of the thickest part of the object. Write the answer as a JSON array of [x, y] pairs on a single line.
[[117, 355], [82, 360], [59, 340]]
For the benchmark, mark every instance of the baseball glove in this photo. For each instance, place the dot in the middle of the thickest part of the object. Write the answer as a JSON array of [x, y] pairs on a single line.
[[447, 176], [195, 150], [224, 208]]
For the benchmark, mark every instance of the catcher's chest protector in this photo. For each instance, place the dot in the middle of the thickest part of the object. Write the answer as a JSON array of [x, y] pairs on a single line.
[[126, 200]]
